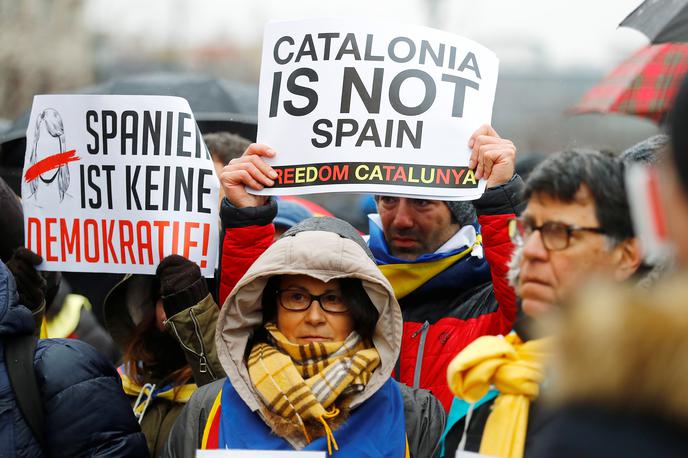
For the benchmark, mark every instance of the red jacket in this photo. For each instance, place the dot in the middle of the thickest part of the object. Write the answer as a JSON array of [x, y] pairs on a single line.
[[438, 325], [241, 246]]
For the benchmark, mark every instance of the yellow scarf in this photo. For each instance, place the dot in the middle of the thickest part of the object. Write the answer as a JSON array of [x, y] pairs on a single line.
[[300, 382], [408, 277], [516, 370]]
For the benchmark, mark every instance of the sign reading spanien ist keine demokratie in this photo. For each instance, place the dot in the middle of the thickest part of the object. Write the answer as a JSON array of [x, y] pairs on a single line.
[[360, 106], [115, 183]]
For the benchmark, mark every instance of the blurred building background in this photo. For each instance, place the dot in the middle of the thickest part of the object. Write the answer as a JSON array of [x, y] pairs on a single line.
[[45, 46], [550, 52]]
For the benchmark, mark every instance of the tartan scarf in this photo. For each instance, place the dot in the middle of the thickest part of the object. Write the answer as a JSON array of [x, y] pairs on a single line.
[[300, 382]]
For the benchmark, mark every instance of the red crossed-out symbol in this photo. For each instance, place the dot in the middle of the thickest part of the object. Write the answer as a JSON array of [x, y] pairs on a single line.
[[50, 163]]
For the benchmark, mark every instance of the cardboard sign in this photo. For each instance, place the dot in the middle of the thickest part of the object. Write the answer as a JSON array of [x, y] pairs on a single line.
[[257, 454], [359, 106], [116, 183]]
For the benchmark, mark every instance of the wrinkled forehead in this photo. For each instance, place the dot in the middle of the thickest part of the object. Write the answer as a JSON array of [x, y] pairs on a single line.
[[581, 210]]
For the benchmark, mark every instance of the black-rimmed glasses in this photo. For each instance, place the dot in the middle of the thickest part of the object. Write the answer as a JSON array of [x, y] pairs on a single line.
[[555, 235], [297, 300]]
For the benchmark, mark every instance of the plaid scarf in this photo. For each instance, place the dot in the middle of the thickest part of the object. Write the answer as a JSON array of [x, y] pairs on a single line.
[[300, 382]]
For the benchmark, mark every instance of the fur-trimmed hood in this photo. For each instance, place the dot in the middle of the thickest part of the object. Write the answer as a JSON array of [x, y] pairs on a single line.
[[325, 249], [626, 349]]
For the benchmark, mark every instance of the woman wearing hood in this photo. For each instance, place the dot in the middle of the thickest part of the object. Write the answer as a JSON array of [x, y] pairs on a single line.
[[308, 339]]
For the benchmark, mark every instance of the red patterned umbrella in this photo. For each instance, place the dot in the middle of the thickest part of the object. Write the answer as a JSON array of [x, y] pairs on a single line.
[[643, 85]]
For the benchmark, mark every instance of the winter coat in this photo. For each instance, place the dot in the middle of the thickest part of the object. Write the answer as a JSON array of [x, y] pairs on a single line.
[[85, 411], [538, 417], [467, 300], [193, 328], [628, 399], [323, 255]]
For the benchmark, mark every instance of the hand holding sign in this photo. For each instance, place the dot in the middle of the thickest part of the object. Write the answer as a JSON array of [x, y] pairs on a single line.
[[248, 170], [493, 158]]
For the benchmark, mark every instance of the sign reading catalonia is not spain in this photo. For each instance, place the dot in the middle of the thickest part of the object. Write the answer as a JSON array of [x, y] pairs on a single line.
[[359, 106]]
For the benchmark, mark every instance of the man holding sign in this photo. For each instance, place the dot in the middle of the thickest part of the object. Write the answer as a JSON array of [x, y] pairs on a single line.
[[449, 294], [400, 106]]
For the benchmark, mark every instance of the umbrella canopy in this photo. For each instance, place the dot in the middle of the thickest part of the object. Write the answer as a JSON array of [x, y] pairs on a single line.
[[217, 105], [643, 85], [663, 21]]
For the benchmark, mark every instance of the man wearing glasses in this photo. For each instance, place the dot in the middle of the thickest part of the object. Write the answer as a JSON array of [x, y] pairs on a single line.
[[576, 226]]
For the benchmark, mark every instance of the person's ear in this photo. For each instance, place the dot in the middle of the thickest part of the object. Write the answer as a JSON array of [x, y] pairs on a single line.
[[629, 258]]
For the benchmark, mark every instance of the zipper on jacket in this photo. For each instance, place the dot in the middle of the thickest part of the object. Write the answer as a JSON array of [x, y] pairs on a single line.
[[202, 359], [423, 331]]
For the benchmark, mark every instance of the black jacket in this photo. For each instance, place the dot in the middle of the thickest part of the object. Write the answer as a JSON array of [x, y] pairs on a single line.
[[594, 431], [538, 418], [85, 410]]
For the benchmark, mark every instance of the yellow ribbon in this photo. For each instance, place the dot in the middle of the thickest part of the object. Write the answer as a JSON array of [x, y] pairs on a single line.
[[516, 370]]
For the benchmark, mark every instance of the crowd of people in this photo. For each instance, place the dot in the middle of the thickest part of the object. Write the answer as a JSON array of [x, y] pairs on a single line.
[[449, 326]]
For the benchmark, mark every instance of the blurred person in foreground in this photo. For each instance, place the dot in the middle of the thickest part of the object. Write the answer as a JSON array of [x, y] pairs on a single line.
[[619, 382], [576, 227], [447, 261], [58, 397], [308, 339]]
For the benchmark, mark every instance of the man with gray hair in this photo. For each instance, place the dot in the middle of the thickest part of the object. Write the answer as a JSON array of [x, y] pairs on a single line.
[[576, 226]]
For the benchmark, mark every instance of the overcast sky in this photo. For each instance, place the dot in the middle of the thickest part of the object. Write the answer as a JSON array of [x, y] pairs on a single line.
[[560, 34]]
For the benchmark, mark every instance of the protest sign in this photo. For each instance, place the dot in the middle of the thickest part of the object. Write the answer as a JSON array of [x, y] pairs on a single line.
[[116, 183], [359, 106]]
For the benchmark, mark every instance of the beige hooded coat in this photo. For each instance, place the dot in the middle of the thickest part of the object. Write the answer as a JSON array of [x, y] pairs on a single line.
[[325, 256]]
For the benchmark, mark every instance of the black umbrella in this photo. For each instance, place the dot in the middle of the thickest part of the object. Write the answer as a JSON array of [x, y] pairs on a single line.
[[217, 105], [663, 21]]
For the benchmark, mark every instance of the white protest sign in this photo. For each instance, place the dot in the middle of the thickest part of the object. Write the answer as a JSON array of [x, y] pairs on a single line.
[[257, 454], [115, 183], [360, 106]]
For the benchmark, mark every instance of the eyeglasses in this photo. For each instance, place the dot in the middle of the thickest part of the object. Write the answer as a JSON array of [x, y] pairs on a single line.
[[556, 236], [296, 300]]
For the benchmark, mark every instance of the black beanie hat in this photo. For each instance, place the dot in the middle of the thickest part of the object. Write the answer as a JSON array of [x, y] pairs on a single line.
[[463, 211]]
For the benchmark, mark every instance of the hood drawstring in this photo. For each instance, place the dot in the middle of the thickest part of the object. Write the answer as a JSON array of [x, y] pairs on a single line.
[[329, 435], [331, 441]]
